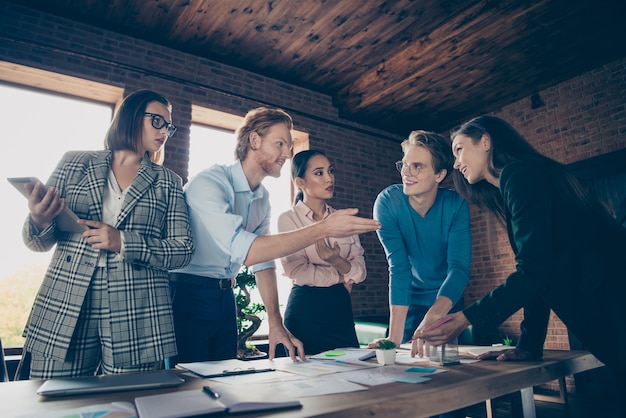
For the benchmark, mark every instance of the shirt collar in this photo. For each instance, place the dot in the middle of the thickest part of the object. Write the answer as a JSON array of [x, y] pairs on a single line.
[[240, 181], [303, 210]]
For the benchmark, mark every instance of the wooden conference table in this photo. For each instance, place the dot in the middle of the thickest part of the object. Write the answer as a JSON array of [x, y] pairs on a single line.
[[463, 385]]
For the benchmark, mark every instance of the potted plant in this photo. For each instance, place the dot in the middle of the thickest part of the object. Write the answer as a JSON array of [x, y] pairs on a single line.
[[248, 322], [386, 352]]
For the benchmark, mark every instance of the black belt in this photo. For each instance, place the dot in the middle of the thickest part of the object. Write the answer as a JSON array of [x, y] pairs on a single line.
[[203, 282]]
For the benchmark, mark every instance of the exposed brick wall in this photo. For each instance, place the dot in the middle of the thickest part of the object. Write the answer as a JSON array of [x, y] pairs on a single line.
[[582, 117]]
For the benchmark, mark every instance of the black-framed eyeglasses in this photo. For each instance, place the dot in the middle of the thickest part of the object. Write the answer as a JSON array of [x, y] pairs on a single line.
[[158, 122], [414, 168]]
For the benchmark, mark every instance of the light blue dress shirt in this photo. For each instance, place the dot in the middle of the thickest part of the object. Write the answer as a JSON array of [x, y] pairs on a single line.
[[226, 216]]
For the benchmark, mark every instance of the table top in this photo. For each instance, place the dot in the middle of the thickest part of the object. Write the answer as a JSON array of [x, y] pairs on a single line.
[[462, 385]]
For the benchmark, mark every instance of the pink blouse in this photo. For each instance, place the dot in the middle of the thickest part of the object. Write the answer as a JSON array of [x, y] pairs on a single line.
[[305, 267]]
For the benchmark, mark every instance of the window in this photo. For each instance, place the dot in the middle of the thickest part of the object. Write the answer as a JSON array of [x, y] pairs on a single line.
[[39, 128], [212, 145]]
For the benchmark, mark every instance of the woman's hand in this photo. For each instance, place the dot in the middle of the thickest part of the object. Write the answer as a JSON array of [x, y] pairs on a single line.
[[44, 203], [512, 354], [348, 286], [101, 236], [443, 333], [332, 256], [374, 343], [327, 253]]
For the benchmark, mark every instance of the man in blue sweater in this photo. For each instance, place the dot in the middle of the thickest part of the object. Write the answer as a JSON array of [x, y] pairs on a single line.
[[426, 236]]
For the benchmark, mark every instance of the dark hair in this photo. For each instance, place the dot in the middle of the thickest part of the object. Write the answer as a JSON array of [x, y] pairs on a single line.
[[258, 120], [125, 130], [438, 146], [507, 146], [299, 164]]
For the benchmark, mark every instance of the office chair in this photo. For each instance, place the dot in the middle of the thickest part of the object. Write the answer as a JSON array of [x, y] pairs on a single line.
[[23, 368], [4, 375]]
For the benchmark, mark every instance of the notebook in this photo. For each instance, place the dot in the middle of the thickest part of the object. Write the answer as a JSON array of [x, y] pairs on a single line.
[[66, 221], [346, 355], [230, 399], [66, 386], [222, 368]]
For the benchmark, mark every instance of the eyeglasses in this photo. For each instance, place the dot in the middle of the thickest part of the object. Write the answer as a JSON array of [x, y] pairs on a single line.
[[158, 122], [414, 168]]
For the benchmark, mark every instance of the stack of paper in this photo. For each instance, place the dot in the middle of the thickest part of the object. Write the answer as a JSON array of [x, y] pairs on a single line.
[[346, 355], [477, 350], [223, 368]]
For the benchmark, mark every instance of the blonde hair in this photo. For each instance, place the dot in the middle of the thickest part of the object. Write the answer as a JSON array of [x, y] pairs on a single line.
[[258, 120]]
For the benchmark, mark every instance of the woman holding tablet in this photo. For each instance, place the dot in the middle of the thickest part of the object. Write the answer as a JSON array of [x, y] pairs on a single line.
[[104, 302]]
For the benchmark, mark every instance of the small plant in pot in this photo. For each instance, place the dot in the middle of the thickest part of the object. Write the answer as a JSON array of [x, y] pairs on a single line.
[[385, 352], [248, 321]]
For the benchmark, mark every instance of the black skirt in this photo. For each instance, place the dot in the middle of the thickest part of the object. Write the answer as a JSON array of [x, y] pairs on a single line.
[[321, 317]]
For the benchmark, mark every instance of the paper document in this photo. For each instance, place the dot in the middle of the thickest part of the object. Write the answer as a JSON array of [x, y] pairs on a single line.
[[387, 374], [213, 400], [223, 368], [404, 357], [247, 379], [312, 368], [477, 350], [316, 386], [346, 354]]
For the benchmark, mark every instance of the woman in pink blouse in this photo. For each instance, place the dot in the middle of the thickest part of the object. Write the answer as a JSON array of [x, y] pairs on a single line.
[[319, 310]]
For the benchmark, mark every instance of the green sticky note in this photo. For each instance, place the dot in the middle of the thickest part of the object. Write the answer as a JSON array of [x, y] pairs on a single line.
[[334, 354]]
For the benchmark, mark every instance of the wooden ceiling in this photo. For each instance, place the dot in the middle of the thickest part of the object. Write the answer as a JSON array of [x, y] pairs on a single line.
[[395, 65]]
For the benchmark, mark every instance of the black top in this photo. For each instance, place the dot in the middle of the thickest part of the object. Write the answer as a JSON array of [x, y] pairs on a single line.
[[570, 257]]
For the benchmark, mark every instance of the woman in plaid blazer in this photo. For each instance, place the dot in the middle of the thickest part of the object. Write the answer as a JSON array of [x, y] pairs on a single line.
[[104, 302]]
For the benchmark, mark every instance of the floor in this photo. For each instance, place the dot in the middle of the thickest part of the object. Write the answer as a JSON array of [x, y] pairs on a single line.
[[502, 409], [596, 406]]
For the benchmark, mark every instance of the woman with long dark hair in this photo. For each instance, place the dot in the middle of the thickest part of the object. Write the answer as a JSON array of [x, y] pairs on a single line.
[[319, 310], [570, 253]]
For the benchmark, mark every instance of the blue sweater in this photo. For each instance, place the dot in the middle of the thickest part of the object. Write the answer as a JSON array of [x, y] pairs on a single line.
[[428, 256]]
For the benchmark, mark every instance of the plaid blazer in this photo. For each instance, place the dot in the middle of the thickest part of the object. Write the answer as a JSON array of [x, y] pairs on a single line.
[[157, 238]]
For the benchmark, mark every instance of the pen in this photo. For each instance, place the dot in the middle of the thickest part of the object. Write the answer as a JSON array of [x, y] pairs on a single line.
[[438, 324], [244, 371], [213, 394]]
